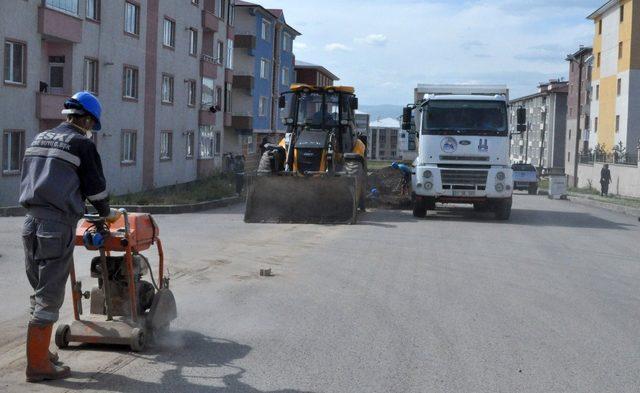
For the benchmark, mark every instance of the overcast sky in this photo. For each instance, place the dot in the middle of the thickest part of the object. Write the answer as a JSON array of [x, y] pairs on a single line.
[[384, 48]]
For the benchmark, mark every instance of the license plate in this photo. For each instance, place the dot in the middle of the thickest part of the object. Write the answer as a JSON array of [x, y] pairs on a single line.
[[464, 193]]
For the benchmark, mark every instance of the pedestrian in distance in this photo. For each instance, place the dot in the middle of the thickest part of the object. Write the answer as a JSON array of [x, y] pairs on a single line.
[[238, 168], [605, 180], [61, 169]]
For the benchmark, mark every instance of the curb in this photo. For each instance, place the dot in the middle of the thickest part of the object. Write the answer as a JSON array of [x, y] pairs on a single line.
[[629, 211], [17, 211]]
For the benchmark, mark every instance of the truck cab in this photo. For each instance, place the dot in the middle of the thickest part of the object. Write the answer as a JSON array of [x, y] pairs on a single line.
[[463, 139]]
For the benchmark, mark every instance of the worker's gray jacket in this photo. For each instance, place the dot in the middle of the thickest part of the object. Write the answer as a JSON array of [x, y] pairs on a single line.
[[61, 169]]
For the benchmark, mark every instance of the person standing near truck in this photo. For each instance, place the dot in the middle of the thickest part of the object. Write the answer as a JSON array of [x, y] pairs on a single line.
[[605, 180], [61, 169]]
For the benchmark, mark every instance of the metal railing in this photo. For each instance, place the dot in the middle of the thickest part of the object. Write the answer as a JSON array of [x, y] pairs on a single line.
[[609, 158]]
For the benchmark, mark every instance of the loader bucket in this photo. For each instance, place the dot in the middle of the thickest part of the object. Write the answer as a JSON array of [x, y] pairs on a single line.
[[301, 199]]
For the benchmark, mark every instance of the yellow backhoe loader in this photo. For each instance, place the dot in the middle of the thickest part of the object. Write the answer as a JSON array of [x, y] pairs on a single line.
[[318, 172]]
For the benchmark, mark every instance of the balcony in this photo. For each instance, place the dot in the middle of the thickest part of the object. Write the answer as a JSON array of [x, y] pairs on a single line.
[[242, 122], [48, 106], [228, 75], [228, 119], [209, 66], [245, 41], [206, 117], [244, 82], [59, 26], [210, 21]]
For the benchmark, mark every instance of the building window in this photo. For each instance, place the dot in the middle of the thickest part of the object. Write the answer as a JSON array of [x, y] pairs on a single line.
[[12, 151], [206, 142], [169, 33], [131, 18], [619, 87], [232, 14], [229, 64], [285, 76], [166, 145], [130, 83], [14, 62], [69, 6], [265, 30], [218, 143], [569, 156], [207, 92], [597, 92], [622, 13], [90, 75], [218, 97], [128, 147], [620, 49], [167, 89], [287, 42], [617, 123], [600, 27], [220, 52], [227, 97], [262, 106], [93, 10], [595, 125], [191, 93], [193, 42], [189, 144], [219, 8], [599, 60], [264, 69]]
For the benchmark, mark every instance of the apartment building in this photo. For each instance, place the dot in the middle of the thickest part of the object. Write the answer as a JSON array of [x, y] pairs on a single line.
[[579, 109], [264, 64], [543, 144], [313, 74], [615, 107], [151, 64], [383, 139]]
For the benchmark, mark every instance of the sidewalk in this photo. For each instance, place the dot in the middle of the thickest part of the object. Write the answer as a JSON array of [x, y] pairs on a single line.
[[628, 206]]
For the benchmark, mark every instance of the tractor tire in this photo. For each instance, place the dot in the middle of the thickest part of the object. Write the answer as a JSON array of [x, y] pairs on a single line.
[[502, 209], [420, 207], [355, 169]]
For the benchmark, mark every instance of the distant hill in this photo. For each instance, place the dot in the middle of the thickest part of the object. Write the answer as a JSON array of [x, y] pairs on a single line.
[[382, 111]]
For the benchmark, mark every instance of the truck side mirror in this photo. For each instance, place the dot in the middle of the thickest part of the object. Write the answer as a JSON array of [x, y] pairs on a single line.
[[282, 102], [522, 119], [354, 103], [407, 113]]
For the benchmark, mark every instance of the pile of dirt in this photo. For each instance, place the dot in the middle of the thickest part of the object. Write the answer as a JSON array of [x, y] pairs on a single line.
[[387, 182]]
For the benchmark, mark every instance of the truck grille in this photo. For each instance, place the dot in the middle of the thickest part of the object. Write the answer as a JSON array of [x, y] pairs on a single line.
[[464, 158], [471, 178]]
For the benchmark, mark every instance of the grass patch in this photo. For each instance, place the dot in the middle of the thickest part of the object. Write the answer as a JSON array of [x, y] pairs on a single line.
[[594, 194], [375, 165], [544, 183], [211, 188]]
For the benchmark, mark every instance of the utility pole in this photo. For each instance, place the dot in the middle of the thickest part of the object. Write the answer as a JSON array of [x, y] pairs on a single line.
[[526, 144]]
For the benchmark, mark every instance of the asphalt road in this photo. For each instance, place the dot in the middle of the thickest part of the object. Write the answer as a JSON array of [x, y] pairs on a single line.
[[458, 302]]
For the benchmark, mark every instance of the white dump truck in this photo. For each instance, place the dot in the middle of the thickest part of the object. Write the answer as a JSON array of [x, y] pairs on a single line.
[[463, 153]]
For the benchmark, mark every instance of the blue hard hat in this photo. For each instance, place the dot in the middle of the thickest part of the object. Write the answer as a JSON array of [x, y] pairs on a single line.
[[395, 165], [84, 102]]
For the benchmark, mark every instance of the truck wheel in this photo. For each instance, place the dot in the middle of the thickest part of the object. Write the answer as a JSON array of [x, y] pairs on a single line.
[[420, 207], [355, 169], [502, 209]]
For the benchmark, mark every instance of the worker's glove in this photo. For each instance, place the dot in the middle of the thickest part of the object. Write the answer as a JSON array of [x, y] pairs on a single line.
[[113, 216]]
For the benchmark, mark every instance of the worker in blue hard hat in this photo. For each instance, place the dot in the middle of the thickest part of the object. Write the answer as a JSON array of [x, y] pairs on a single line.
[[61, 169], [406, 171]]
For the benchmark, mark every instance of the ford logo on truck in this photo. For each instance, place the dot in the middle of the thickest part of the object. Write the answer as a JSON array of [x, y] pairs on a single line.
[[465, 143]]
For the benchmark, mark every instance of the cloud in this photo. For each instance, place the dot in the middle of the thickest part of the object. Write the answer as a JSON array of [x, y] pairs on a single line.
[[372, 39], [299, 45], [336, 46]]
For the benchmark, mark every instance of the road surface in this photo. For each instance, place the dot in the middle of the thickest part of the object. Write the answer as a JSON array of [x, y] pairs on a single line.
[[458, 302]]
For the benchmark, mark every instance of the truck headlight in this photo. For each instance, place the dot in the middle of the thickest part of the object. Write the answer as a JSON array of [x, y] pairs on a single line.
[[499, 187], [500, 176], [428, 186], [427, 174]]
